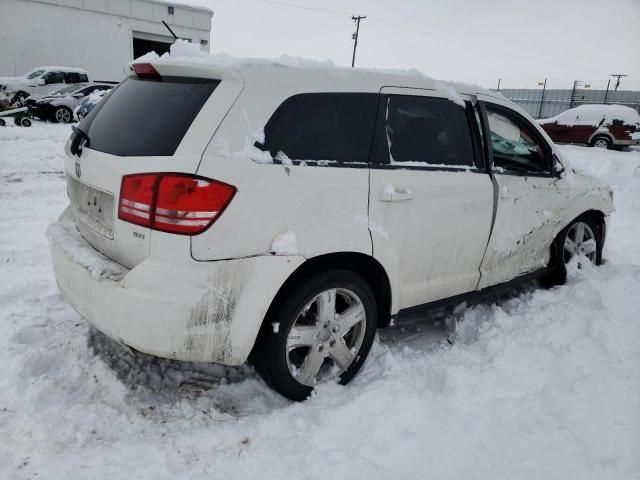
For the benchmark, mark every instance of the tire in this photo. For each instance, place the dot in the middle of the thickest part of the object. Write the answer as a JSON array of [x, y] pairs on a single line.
[[285, 360], [561, 252], [2, 122], [25, 122], [62, 115], [601, 141]]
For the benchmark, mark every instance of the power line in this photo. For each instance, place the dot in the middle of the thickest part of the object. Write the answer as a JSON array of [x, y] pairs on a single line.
[[355, 36]]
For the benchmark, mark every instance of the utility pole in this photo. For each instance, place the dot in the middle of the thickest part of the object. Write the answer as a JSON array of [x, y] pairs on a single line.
[[544, 87], [606, 93], [618, 77], [498, 84], [355, 36]]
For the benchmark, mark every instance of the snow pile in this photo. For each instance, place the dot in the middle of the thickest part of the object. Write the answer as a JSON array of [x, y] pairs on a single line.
[[539, 384], [65, 235], [594, 114], [183, 51], [285, 244]]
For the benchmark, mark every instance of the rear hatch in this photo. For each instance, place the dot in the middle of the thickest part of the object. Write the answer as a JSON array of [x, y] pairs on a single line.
[[157, 121]]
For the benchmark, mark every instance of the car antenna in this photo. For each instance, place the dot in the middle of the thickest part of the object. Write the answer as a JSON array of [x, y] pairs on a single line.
[[169, 28]]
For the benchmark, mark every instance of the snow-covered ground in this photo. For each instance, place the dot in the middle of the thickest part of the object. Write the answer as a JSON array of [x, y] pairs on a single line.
[[543, 384]]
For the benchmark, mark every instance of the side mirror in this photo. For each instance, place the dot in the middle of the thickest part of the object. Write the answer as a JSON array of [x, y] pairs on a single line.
[[556, 166], [40, 81], [78, 95]]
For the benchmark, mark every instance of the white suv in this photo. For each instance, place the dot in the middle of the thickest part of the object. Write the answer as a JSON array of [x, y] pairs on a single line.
[[40, 81], [226, 213]]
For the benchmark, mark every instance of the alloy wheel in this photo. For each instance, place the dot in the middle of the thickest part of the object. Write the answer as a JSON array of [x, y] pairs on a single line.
[[601, 143], [63, 115], [580, 240], [326, 336]]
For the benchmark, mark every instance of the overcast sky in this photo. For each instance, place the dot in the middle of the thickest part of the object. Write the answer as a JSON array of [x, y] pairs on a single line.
[[519, 41]]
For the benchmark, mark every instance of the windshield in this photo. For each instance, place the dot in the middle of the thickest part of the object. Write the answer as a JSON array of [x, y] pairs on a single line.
[[34, 74], [70, 88], [146, 117]]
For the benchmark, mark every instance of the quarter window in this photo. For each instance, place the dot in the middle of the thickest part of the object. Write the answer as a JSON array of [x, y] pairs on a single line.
[[515, 146], [323, 126], [426, 130]]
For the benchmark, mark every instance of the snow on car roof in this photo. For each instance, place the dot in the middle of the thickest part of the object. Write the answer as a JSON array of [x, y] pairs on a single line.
[[187, 53], [595, 113]]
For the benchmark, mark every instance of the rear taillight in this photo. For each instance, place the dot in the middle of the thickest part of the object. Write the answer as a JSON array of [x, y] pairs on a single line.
[[146, 70], [173, 202]]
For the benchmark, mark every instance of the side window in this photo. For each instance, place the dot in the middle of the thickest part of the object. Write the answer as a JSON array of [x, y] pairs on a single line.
[[54, 77], [427, 130], [515, 145], [71, 77], [323, 126], [82, 77]]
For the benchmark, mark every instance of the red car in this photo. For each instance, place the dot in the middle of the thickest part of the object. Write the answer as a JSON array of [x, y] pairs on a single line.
[[605, 126]]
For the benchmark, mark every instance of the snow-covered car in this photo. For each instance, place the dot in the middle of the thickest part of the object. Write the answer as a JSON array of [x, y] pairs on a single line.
[[60, 106], [599, 125], [39, 81], [88, 104], [280, 214]]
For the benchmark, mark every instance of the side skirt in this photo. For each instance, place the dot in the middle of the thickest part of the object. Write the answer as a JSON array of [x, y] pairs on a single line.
[[476, 296]]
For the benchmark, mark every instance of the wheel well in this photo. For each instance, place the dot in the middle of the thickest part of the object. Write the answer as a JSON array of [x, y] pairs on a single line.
[[602, 134], [364, 265]]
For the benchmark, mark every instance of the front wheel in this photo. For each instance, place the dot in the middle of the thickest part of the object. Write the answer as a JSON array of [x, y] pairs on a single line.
[[322, 331], [582, 238], [62, 115]]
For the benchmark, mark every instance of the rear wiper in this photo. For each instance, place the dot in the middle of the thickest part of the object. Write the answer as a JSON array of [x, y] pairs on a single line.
[[77, 143]]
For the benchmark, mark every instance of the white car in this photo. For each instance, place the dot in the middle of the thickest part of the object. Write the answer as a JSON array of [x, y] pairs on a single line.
[[282, 214], [40, 81], [60, 106]]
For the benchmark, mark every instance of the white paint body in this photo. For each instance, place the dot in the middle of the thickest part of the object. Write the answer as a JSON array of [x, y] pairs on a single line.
[[205, 297]]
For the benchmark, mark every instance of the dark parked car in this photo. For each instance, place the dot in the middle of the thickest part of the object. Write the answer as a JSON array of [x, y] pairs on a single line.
[[604, 126]]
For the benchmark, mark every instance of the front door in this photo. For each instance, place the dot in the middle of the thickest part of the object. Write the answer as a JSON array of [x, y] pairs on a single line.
[[528, 199], [431, 201]]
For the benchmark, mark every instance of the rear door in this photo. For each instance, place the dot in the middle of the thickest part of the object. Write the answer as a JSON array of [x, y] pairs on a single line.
[[145, 125], [431, 200]]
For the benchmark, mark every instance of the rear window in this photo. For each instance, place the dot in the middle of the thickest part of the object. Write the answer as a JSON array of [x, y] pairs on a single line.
[[323, 126], [145, 117]]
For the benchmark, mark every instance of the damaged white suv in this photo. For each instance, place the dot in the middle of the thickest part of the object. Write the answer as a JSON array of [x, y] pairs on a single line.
[[281, 214]]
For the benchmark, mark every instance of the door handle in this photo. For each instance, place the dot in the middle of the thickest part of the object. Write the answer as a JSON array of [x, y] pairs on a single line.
[[390, 194]]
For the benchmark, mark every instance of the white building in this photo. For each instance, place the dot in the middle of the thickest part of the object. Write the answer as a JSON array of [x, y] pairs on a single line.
[[100, 36]]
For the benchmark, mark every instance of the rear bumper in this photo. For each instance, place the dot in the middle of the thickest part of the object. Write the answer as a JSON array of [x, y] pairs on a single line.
[[188, 310]]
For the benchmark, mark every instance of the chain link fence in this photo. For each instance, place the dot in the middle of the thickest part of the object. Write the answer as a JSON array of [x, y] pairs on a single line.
[[557, 101]]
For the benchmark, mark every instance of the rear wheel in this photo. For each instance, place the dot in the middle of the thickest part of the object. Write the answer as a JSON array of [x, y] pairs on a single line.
[[25, 122], [2, 122], [62, 115], [582, 237], [322, 331], [601, 141]]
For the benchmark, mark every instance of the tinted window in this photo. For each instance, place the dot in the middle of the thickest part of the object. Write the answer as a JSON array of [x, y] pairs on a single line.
[[54, 77], [323, 126], [428, 130], [146, 117], [83, 77], [515, 146], [72, 77]]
